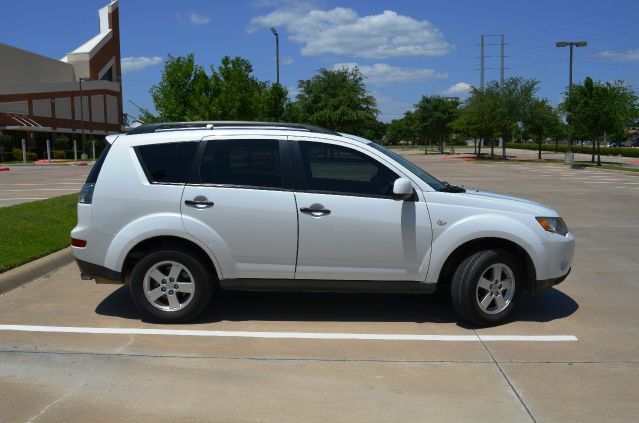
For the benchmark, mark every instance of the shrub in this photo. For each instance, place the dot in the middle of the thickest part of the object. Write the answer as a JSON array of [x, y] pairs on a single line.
[[58, 154], [605, 151], [7, 156], [31, 157]]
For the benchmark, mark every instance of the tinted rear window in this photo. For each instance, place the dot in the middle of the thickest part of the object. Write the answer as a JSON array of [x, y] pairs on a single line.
[[167, 163], [254, 163], [95, 171]]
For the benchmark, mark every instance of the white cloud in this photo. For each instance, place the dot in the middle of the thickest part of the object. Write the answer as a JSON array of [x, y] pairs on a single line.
[[342, 31], [621, 56], [382, 73], [462, 88], [132, 64], [199, 19], [286, 60]]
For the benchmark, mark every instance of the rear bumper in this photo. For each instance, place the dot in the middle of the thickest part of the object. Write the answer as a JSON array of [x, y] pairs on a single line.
[[94, 271], [540, 285]]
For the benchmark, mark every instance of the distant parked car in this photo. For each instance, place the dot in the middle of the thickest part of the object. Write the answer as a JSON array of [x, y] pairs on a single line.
[[616, 144]]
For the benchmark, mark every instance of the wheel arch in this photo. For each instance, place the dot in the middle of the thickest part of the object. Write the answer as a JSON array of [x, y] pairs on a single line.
[[167, 242], [462, 251]]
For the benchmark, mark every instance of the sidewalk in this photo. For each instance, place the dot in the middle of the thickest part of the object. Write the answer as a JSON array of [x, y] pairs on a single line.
[[548, 155]]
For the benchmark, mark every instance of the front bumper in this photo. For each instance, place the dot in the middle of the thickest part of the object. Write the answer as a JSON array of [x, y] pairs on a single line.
[[540, 285]]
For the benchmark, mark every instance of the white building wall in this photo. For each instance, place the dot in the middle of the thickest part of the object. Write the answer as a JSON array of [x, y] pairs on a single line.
[[41, 107], [20, 67], [63, 108], [17, 107], [112, 109], [85, 109], [97, 108]]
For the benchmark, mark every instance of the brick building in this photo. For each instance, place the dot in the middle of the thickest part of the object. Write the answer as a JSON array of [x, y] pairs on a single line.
[[83, 90]]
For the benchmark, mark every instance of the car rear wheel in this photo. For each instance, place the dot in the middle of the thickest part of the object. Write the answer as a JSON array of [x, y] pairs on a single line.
[[486, 287], [170, 286]]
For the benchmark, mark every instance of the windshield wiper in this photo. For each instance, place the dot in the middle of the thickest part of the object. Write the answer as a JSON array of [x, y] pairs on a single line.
[[451, 188]]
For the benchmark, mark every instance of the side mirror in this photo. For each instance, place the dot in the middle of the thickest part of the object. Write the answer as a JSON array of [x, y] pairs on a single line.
[[402, 189]]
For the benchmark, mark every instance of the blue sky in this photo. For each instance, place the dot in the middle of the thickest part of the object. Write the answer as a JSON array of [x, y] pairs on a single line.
[[405, 48]]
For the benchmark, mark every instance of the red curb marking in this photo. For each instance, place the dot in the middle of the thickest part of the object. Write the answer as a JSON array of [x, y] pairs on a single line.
[[4, 169]]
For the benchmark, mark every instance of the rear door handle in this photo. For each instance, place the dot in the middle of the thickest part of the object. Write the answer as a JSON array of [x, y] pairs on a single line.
[[315, 210], [199, 202]]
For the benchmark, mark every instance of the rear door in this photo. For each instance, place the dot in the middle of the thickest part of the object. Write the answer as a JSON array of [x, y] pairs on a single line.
[[236, 203], [350, 227]]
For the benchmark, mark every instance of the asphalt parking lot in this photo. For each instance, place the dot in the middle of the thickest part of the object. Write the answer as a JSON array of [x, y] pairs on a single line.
[[70, 348], [22, 184]]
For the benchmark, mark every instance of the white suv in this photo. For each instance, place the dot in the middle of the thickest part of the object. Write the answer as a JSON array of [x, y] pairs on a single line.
[[176, 209]]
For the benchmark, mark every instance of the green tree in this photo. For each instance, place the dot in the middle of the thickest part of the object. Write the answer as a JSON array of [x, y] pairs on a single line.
[[434, 116], [476, 119], [602, 108], [274, 103], [404, 129], [541, 120], [175, 95], [186, 92], [511, 102], [336, 99], [235, 94]]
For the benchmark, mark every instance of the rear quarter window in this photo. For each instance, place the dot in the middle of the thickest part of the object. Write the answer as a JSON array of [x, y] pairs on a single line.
[[167, 163]]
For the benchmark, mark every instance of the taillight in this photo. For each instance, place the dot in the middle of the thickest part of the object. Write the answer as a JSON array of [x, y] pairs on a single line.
[[80, 243], [86, 194]]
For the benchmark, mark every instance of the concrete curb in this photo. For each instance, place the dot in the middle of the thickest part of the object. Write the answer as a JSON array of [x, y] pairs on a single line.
[[24, 274]]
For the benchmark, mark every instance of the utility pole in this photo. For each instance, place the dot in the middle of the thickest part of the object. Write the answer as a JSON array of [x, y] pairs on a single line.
[[501, 66], [481, 64]]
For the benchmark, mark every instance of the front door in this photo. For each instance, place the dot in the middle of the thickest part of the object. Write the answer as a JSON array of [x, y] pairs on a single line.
[[350, 227]]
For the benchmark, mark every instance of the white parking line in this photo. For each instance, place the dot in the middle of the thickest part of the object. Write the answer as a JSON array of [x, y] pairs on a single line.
[[47, 183], [37, 189], [290, 335], [29, 198]]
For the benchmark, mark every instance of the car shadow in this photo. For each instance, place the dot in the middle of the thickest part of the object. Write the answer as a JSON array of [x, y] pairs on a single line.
[[547, 306]]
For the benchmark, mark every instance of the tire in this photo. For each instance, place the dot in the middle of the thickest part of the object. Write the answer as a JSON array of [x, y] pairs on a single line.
[[486, 287], [153, 285]]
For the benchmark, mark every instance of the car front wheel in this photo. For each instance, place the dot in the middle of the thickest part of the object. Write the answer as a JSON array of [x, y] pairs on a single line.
[[170, 286], [486, 286]]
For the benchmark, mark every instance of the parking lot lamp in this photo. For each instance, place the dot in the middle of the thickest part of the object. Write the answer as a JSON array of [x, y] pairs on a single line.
[[277, 52], [82, 111], [569, 159]]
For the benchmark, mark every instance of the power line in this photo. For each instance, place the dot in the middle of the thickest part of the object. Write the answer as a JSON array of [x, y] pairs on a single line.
[[576, 22]]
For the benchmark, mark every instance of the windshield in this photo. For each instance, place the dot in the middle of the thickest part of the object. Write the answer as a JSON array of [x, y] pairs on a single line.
[[436, 184]]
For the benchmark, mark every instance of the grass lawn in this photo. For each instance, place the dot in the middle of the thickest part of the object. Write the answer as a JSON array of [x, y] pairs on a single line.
[[33, 230]]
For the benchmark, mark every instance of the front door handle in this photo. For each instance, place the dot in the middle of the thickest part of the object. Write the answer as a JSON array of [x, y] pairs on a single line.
[[315, 210], [199, 202]]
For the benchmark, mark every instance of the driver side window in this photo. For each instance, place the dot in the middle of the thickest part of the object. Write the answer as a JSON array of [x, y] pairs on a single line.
[[335, 169]]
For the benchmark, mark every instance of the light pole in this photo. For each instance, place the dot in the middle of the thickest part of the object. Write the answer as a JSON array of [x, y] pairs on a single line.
[[569, 154], [82, 111], [277, 52]]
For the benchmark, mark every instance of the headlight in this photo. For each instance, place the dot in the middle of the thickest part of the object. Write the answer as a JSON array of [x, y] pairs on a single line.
[[553, 224]]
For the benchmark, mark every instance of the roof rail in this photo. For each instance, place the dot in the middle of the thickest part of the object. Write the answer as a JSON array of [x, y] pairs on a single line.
[[148, 128]]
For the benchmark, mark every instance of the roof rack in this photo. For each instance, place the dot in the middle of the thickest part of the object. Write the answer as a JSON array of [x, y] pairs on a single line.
[[174, 126]]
